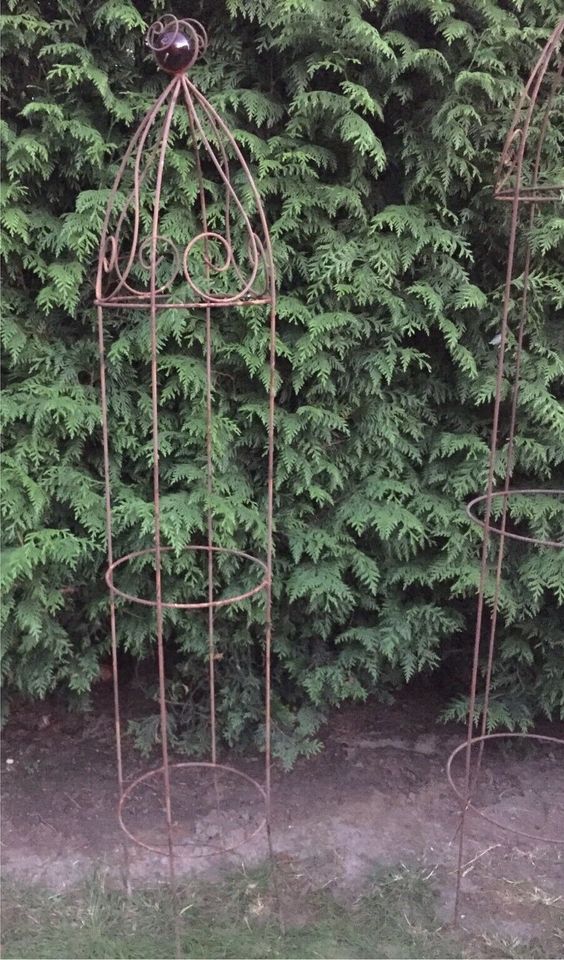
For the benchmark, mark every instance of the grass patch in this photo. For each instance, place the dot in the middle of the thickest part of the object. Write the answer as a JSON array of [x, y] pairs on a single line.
[[239, 917]]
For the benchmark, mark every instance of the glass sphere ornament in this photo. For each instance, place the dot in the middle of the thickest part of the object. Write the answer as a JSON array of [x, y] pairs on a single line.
[[175, 51]]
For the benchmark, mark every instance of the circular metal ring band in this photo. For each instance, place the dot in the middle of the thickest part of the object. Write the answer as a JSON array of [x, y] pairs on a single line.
[[507, 494], [479, 813], [214, 850], [205, 605]]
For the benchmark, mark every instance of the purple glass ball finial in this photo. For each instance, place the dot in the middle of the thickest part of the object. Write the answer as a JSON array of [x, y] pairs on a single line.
[[176, 44], [176, 51]]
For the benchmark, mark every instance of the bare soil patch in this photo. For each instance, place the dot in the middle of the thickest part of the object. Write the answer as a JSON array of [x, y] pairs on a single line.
[[376, 796]]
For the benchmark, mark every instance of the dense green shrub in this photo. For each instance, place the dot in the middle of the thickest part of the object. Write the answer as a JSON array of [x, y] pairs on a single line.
[[373, 129]]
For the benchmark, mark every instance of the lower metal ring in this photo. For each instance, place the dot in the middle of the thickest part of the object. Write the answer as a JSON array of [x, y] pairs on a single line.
[[479, 813], [213, 848], [509, 534]]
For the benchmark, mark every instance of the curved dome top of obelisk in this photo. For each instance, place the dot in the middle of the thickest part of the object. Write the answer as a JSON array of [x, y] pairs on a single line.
[[184, 224], [528, 171]]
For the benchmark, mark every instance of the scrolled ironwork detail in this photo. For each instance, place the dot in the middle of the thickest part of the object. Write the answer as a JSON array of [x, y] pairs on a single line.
[[244, 290], [509, 159]]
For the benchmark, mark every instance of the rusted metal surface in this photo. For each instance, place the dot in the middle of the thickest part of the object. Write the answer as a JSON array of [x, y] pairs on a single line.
[[141, 268], [522, 181]]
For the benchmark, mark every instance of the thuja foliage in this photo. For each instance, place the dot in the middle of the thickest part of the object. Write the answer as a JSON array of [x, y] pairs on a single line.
[[373, 129]]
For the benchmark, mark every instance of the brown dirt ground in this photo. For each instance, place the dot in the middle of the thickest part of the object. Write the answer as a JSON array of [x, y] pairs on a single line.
[[376, 796]]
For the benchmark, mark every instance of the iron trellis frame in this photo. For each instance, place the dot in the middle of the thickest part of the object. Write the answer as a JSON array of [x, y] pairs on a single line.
[[142, 269], [522, 183]]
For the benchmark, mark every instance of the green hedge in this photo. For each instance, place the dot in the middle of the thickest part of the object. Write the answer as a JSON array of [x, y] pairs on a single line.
[[373, 129]]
